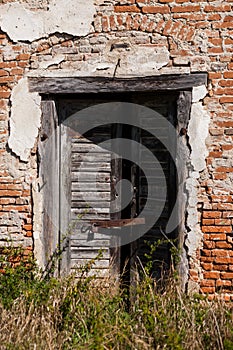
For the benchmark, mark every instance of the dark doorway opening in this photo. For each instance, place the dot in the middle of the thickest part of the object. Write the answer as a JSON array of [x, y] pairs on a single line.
[[126, 258]]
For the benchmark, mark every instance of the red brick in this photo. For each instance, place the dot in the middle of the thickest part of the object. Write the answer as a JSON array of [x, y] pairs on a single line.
[[226, 82], [218, 267], [10, 193], [203, 24], [113, 24], [207, 222], [3, 73], [212, 214], [156, 9], [211, 275], [209, 244], [20, 208], [227, 214], [27, 227], [227, 275], [222, 222], [220, 252], [4, 201], [225, 123], [227, 147], [207, 290], [168, 27], [223, 245], [205, 252], [215, 154], [207, 259], [23, 57], [222, 260], [214, 75], [23, 64], [221, 198], [226, 58], [144, 23], [228, 41], [129, 22], [228, 75], [216, 132], [226, 99], [222, 283], [224, 297], [207, 283], [5, 94], [121, 8], [105, 24], [214, 17], [17, 71], [207, 266], [6, 186], [224, 25], [217, 236], [215, 41], [6, 79], [223, 169], [29, 234], [189, 8], [224, 229], [215, 50], [219, 176], [120, 21], [228, 18], [223, 8]]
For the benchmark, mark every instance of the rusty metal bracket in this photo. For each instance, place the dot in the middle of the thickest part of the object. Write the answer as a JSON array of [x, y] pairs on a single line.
[[116, 223]]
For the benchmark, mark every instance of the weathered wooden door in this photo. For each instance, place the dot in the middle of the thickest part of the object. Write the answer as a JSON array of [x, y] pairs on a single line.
[[86, 178]]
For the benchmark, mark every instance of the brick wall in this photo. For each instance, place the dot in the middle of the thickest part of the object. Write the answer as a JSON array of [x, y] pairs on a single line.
[[199, 37]]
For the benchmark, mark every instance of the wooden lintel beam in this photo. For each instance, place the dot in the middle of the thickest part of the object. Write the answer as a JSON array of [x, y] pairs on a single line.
[[74, 85]]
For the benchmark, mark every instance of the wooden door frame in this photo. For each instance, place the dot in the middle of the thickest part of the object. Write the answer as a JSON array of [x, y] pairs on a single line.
[[51, 89]]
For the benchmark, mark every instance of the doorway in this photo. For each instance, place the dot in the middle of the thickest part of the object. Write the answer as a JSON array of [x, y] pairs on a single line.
[[89, 175]]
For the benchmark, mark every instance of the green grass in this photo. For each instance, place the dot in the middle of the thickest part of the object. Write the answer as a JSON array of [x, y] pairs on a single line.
[[68, 313]]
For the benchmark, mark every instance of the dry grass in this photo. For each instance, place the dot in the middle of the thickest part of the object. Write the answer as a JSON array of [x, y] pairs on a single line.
[[73, 314], [40, 312]]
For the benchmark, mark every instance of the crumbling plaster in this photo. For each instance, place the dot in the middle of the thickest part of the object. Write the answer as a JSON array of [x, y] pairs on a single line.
[[198, 130], [23, 24], [25, 120], [39, 251], [26, 106]]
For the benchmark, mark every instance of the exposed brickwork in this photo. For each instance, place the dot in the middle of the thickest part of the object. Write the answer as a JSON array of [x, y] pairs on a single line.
[[198, 35]]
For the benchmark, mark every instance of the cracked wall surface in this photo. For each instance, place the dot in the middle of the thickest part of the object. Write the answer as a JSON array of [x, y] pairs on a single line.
[[124, 39], [23, 24]]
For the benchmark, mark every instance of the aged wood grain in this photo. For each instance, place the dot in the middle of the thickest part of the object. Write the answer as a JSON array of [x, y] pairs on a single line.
[[72, 85]]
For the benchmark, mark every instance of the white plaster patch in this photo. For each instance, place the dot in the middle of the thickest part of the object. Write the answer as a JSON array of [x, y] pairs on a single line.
[[193, 239], [69, 17], [143, 59], [198, 93], [37, 224], [25, 120], [21, 24], [198, 130], [8, 53]]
